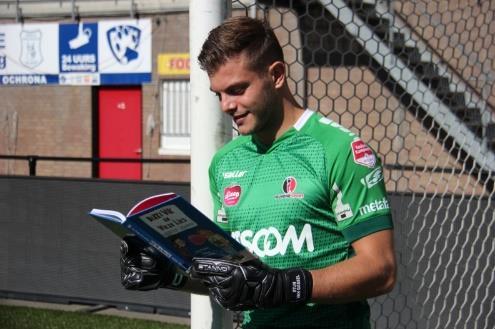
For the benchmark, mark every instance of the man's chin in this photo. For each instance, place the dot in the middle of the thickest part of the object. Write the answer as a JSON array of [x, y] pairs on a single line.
[[244, 133], [243, 130]]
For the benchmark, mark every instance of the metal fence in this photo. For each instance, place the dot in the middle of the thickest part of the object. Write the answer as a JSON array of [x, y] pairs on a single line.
[[415, 80]]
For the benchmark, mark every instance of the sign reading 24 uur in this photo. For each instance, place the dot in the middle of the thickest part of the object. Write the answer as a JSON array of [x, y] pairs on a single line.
[[103, 53]]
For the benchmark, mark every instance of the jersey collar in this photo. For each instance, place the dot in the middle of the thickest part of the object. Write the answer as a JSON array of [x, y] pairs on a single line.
[[303, 119]]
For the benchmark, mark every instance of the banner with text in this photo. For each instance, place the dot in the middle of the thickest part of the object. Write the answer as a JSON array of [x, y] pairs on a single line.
[[112, 52], [170, 64]]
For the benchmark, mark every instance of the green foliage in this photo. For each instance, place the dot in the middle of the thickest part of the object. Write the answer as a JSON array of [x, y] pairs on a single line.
[[14, 317]]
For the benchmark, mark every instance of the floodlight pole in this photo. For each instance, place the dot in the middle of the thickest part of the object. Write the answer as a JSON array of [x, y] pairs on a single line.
[[210, 129]]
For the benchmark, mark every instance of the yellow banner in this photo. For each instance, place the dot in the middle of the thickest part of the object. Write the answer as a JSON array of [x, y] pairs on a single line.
[[173, 64]]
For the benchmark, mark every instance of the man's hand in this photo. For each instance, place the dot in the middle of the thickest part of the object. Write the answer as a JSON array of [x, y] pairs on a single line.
[[252, 285], [139, 270]]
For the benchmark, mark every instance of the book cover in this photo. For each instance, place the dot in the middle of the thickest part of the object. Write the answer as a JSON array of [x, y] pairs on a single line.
[[174, 229]]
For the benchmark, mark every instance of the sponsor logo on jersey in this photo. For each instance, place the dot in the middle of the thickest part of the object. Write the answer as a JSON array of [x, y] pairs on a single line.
[[231, 195], [362, 154], [374, 206], [289, 186], [342, 210], [269, 242], [372, 178], [234, 174]]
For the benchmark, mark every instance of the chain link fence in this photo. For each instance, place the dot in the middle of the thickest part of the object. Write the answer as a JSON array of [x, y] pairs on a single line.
[[415, 80]]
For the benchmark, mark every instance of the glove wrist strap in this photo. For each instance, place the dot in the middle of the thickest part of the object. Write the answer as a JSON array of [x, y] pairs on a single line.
[[299, 285]]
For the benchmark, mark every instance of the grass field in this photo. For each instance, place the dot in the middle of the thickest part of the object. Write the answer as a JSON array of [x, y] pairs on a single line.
[[15, 317]]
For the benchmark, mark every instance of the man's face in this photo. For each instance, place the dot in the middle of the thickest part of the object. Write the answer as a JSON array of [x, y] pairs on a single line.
[[249, 97]]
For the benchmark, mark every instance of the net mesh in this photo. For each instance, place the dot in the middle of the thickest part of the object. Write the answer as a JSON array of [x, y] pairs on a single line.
[[415, 80]]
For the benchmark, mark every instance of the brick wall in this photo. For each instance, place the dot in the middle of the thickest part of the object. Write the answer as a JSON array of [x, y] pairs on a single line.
[[57, 120], [170, 34], [48, 121]]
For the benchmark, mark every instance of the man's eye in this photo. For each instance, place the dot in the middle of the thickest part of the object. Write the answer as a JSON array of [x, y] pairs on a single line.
[[237, 89], [218, 96]]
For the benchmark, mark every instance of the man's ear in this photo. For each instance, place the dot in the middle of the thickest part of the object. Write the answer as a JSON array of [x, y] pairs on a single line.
[[277, 73]]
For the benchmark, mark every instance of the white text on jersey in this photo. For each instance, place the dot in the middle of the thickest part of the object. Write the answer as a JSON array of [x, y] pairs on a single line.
[[234, 174], [374, 206], [261, 242]]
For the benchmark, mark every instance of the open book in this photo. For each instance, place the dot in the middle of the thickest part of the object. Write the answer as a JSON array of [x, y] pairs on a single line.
[[174, 229]]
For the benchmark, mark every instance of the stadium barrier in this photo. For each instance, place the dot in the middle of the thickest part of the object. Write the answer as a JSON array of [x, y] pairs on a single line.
[[32, 161], [52, 251]]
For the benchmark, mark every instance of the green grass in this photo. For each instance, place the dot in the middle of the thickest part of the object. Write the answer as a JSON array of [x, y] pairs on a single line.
[[15, 317]]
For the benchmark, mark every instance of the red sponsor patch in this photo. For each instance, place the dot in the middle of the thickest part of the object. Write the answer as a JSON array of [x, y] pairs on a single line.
[[363, 155], [231, 195]]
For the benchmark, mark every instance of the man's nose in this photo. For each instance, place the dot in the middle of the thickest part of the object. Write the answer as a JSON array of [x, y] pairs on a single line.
[[228, 104]]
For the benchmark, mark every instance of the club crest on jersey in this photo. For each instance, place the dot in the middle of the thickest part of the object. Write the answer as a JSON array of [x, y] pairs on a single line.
[[362, 153], [289, 186], [231, 195]]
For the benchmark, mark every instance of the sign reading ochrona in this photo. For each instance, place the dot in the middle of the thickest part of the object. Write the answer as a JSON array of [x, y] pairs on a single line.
[[99, 53], [168, 221]]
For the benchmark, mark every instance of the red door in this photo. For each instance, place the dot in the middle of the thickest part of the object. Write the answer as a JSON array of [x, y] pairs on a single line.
[[120, 131]]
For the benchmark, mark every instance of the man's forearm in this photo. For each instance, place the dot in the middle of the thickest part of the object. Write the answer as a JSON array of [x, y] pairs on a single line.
[[371, 272]]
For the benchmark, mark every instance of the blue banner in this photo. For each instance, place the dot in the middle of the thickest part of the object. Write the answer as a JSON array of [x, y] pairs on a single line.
[[108, 52], [78, 48]]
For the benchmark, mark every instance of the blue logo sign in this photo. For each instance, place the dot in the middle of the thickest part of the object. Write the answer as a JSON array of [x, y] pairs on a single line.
[[124, 40], [2, 40], [3, 58], [78, 44]]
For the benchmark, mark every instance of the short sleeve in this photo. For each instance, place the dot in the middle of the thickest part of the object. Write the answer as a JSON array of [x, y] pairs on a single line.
[[358, 196]]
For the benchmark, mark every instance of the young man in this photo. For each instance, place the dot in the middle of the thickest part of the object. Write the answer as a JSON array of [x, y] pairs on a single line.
[[303, 193]]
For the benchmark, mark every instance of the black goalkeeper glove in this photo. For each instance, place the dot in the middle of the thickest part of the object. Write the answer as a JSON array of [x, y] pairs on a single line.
[[252, 285], [140, 270]]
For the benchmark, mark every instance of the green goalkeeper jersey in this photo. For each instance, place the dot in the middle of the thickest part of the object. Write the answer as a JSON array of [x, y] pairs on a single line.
[[301, 202]]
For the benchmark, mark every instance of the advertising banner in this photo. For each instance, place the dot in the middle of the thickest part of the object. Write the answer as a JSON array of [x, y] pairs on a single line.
[[173, 64], [112, 52]]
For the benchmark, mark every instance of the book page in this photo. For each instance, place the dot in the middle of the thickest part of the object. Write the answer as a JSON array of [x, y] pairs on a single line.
[[110, 215]]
